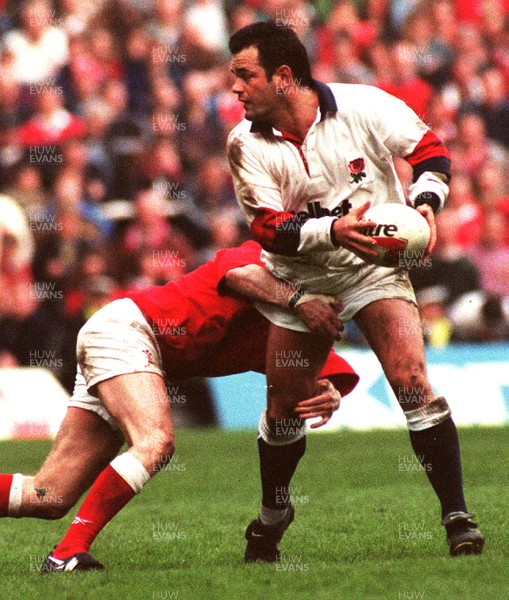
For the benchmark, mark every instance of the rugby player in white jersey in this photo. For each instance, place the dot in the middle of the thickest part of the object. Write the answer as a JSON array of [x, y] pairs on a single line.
[[307, 162]]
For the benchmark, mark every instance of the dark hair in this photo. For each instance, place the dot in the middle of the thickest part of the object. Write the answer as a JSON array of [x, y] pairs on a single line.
[[277, 45]]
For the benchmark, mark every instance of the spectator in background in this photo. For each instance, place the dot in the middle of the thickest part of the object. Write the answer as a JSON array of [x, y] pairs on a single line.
[[205, 20], [494, 107], [126, 138], [77, 15], [347, 66], [442, 119], [13, 105], [493, 18], [98, 117], [167, 24], [491, 256], [467, 211], [11, 152], [228, 229], [298, 14], [58, 252], [214, 188], [39, 47], [491, 183], [165, 30], [167, 115], [472, 149], [464, 86], [404, 83], [25, 325], [500, 51], [430, 33], [436, 326], [378, 60], [104, 50], [138, 54], [151, 232], [241, 15], [27, 188], [201, 132], [343, 19], [82, 77], [471, 44], [51, 124]]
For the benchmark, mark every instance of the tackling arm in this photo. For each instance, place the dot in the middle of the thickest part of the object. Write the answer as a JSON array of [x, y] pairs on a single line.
[[318, 312]]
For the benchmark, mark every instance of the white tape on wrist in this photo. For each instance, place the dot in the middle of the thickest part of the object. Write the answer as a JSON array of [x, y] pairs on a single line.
[[429, 182]]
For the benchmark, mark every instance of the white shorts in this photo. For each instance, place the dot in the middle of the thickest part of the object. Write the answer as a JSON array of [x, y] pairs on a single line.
[[116, 340], [371, 283]]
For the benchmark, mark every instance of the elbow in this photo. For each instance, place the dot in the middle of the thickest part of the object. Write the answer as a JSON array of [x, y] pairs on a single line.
[[235, 279], [231, 278]]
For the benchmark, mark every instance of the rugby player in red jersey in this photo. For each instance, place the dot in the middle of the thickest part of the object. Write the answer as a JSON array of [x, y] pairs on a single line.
[[196, 325]]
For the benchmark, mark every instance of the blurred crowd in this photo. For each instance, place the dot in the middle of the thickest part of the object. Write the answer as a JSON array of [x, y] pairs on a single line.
[[113, 120]]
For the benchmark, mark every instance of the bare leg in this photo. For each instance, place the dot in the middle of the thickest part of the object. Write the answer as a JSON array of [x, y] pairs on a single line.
[[84, 445], [294, 361], [392, 328], [139, 403]]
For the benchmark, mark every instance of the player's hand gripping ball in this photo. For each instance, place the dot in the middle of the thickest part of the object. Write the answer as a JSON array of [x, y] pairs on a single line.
[[401, 234]]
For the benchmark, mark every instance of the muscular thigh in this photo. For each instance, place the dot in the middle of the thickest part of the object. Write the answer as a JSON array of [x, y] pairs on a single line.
[[139, 404], [294, 361], [393, 330]]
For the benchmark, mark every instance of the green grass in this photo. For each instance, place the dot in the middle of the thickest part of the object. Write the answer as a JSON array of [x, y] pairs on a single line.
[[365, 528]]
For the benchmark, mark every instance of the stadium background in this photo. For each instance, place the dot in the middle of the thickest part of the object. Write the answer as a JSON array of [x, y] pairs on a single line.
[[113, 176]]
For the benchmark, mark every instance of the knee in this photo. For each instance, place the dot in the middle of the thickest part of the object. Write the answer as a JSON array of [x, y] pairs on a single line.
[[282, 399], [409, 381], [156, 449]]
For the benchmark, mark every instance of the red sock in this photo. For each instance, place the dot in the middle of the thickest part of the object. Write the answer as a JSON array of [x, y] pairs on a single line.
[[109, 494], [5, 490]]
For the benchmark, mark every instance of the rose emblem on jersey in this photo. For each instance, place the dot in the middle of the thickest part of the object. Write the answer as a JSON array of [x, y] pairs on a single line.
[[356, 168]]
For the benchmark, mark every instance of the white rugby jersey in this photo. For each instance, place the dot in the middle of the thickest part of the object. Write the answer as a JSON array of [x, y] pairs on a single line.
[[290, 193]]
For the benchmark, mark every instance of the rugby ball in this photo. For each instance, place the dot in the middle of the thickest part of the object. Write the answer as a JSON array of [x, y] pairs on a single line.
[[401, 233]]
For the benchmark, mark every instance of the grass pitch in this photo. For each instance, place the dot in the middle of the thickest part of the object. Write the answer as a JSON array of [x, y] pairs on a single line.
[[367, 526]]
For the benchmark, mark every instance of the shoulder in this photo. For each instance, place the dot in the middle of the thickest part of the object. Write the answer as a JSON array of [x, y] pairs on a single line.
[[240, 131], [355, 95], [242, 141]]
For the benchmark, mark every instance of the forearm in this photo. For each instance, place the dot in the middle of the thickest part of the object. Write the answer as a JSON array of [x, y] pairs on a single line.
[[318, 312], [256, 283]]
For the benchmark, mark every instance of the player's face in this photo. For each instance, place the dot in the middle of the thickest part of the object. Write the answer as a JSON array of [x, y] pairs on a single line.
[[258, 95]]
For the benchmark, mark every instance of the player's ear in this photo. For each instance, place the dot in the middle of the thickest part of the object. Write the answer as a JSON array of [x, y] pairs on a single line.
[[283, 77]]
